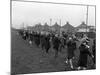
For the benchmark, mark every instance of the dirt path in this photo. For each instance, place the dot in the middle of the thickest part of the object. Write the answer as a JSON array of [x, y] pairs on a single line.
[[30, 59]]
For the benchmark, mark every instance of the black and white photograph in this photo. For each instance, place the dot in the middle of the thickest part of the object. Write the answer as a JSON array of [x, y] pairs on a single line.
[[52, 37]]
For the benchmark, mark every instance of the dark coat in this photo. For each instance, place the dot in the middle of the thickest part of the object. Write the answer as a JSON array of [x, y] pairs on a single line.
[[56, 43], [94, 51], [71, 47], [37, 39], [47, 43], [84, 52]]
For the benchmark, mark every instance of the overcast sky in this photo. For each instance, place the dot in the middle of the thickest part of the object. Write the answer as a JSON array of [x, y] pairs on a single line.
[[31, 13]]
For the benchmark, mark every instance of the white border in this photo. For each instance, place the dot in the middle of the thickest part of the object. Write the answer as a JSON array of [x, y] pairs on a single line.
[[5, 38]]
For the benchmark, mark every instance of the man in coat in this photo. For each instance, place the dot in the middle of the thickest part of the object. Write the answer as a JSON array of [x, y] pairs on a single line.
[[71, 47]]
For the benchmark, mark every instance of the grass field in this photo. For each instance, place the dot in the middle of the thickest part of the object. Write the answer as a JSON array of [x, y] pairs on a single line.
[[27, 58]]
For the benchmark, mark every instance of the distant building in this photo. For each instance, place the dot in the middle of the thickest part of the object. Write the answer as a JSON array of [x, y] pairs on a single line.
[[84, 28], [55, 27], [92, 29], [45, 27], [68, 28], [38, 27]]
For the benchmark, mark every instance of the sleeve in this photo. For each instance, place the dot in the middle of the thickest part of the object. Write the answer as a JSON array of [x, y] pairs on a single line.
[[74, 45], [90, 54]]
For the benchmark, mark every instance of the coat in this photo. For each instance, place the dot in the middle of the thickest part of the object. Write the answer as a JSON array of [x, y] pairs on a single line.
[[84, 52]]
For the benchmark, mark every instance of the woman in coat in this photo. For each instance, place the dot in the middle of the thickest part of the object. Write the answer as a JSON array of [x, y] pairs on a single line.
[[83, 58]]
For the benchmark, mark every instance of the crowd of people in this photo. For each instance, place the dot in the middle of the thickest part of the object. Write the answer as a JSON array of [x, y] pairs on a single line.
[[46, 40]]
